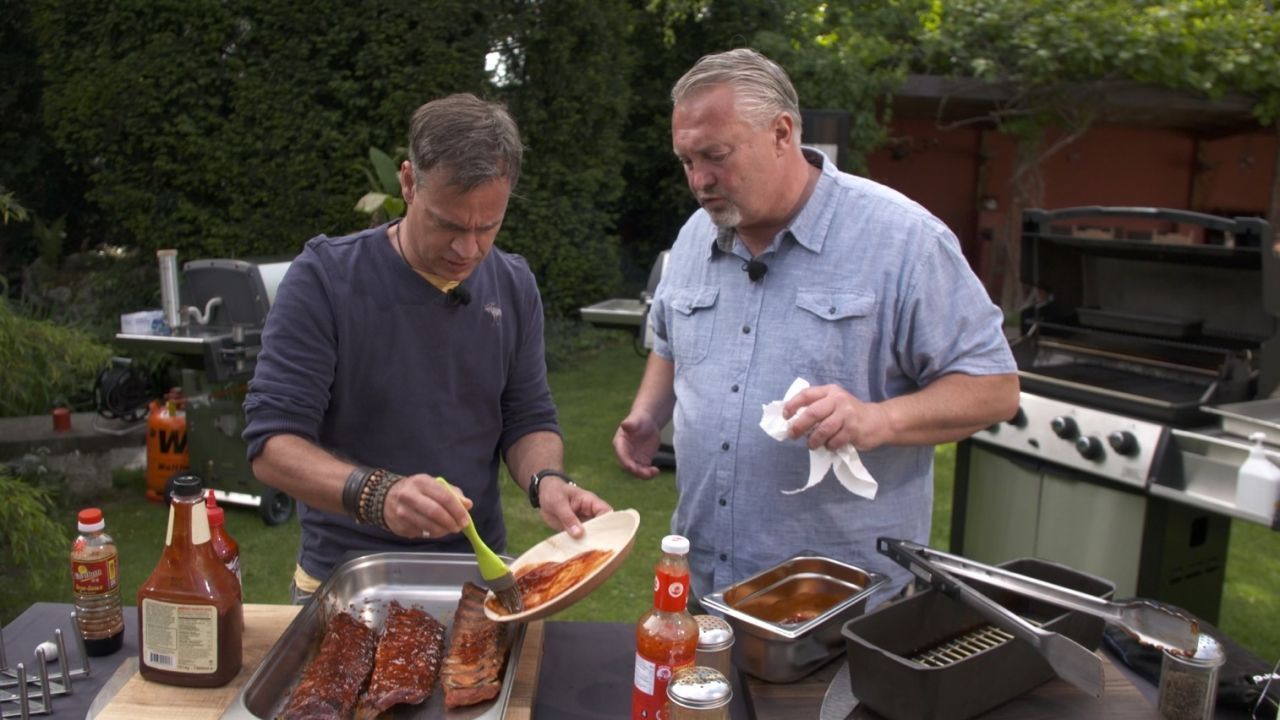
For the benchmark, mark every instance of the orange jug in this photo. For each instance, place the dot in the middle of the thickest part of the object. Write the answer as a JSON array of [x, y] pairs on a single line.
[[166, 443]]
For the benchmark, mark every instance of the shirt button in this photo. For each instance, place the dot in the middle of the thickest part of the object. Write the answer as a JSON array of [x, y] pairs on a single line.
[[724, 446], [723, 557], [746, 329], [831, 311], [734, 388], [723, 502]]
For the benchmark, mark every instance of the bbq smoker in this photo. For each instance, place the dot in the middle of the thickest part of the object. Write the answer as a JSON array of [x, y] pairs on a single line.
[[214, 316], [1147, 326]]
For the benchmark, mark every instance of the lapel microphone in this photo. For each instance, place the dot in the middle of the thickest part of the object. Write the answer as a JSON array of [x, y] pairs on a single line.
[[459, 296], [755, 269]]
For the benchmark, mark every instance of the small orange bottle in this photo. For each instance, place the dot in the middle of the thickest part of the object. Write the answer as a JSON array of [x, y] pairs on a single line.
[[666, 635], [224, 545], [190, 616]]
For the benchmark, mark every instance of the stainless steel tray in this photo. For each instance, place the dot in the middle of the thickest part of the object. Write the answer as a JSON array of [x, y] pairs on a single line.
[[364, 586], [1246, 418]]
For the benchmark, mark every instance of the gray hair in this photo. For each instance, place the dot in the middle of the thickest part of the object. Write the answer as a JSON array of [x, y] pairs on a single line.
[[474, 140], [761, 87]]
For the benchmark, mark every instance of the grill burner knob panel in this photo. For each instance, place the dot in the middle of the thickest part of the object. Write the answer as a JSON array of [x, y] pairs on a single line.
[[1123, 442], [1052, 428], [1019, 419], [1089, 447], [1064, 427]]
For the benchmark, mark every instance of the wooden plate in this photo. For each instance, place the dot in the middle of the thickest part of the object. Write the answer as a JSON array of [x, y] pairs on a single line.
[[615, 531]]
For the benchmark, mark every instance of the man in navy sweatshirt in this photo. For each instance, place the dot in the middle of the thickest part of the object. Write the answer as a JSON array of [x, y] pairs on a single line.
[[410, 352]]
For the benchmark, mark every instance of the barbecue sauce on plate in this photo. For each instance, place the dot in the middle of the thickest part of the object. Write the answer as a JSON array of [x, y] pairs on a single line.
[[543, 582], [190, 615]]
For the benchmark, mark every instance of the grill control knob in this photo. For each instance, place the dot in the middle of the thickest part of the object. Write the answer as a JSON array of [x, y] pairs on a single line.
[[1123, 442], [1064, 427], [1089, 447], [1019, 419]]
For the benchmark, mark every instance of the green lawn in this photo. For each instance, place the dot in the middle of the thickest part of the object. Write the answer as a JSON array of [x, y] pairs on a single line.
[[592, 398]]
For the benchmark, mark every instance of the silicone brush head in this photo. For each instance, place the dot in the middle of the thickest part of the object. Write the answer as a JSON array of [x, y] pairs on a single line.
[[496, 574]]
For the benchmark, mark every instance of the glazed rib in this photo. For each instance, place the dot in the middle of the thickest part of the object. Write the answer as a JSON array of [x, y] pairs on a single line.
[[407, 662], [473, 668], [331, 684]]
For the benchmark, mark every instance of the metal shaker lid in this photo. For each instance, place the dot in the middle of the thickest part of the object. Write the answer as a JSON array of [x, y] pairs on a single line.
[[713, 633], [699, 688]]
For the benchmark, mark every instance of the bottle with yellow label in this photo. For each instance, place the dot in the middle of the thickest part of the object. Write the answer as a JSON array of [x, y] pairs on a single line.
[[190, 616], [95, 582]]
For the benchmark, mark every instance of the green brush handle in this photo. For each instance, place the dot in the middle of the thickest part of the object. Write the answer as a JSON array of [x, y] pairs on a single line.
[[491, 566]]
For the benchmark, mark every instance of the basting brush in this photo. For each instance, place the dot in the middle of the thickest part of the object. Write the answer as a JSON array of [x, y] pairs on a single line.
[[496, 574]]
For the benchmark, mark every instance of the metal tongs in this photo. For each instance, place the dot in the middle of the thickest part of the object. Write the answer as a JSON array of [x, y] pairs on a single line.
[[1144, 621], [1070, 660]]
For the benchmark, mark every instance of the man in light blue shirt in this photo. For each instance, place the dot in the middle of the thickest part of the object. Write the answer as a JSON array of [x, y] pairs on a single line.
[[792, 269]]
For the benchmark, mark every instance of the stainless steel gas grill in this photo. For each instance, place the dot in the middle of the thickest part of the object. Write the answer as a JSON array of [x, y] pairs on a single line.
[[218, 308], [1145, 322]]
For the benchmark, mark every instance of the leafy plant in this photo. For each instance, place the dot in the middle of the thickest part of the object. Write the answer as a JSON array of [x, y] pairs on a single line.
[[383, 202], [10, 207], [44, 362], [33, 545]]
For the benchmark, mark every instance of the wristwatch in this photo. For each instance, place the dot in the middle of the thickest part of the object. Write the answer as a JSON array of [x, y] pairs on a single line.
[[536, 481]]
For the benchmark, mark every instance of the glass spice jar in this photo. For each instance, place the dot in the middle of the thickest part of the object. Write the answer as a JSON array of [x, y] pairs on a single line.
[[698, 693], [1189, 685]]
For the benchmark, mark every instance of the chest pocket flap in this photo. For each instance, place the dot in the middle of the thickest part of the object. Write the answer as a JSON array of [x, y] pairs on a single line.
[[836, 306], [687, 301]]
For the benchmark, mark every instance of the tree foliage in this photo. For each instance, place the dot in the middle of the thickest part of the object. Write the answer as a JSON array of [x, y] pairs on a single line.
[[241, 127]]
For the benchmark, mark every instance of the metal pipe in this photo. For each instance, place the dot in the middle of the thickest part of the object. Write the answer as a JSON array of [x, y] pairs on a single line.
[[169, 299]]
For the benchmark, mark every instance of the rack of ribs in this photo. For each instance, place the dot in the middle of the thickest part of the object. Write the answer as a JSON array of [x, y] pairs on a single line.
[[407, 662], [473, 667], [331, 684]]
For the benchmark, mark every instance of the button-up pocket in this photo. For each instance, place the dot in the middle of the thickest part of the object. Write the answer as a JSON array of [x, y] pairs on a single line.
[[835, 334], [692, 322]]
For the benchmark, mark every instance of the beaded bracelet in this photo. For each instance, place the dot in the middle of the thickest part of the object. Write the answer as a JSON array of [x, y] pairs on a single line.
[[385, 483], [364, 507]]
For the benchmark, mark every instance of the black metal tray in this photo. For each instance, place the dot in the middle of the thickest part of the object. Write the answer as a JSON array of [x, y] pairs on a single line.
[[881, 645]]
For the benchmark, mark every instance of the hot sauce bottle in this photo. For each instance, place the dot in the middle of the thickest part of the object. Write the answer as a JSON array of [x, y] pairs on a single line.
[[190, 616], [666, 635], [224, 545]]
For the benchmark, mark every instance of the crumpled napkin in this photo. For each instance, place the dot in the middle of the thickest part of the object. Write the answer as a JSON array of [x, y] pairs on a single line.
[[850, 471]]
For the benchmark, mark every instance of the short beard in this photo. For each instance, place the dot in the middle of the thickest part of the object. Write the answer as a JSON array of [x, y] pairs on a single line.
[[730, 217]]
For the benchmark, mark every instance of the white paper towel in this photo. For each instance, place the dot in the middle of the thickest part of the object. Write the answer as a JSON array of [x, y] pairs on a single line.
[[850, 471]]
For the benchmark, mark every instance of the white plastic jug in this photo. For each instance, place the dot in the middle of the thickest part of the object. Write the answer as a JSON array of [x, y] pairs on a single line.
[[1258, 483]]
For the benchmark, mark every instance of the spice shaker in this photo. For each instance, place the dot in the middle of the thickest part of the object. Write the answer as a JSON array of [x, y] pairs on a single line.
[[1189, 685], [715, 643], [698, 693]]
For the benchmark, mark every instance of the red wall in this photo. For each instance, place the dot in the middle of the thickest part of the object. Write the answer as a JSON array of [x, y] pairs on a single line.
[[963, 175]]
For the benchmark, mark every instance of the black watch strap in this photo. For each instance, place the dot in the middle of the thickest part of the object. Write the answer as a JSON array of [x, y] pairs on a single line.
[[535, 482]]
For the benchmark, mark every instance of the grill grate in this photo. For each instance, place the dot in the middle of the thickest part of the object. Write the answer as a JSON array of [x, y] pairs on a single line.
[[985, 637]]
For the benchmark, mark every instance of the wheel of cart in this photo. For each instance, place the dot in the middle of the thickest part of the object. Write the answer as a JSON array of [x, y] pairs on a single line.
[[276, 507]]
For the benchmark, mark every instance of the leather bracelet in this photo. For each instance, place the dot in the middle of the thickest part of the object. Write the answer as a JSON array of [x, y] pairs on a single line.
[[351, 490]]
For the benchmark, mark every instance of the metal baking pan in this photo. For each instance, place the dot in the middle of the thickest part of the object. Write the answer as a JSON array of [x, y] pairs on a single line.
[[364, 586], [767, 643]]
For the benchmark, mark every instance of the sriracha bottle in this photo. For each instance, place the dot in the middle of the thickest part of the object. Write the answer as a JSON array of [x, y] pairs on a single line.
[[667, 635]]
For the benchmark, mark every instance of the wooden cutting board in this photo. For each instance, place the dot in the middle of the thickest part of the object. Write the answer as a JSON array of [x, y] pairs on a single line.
[[140, 699]]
